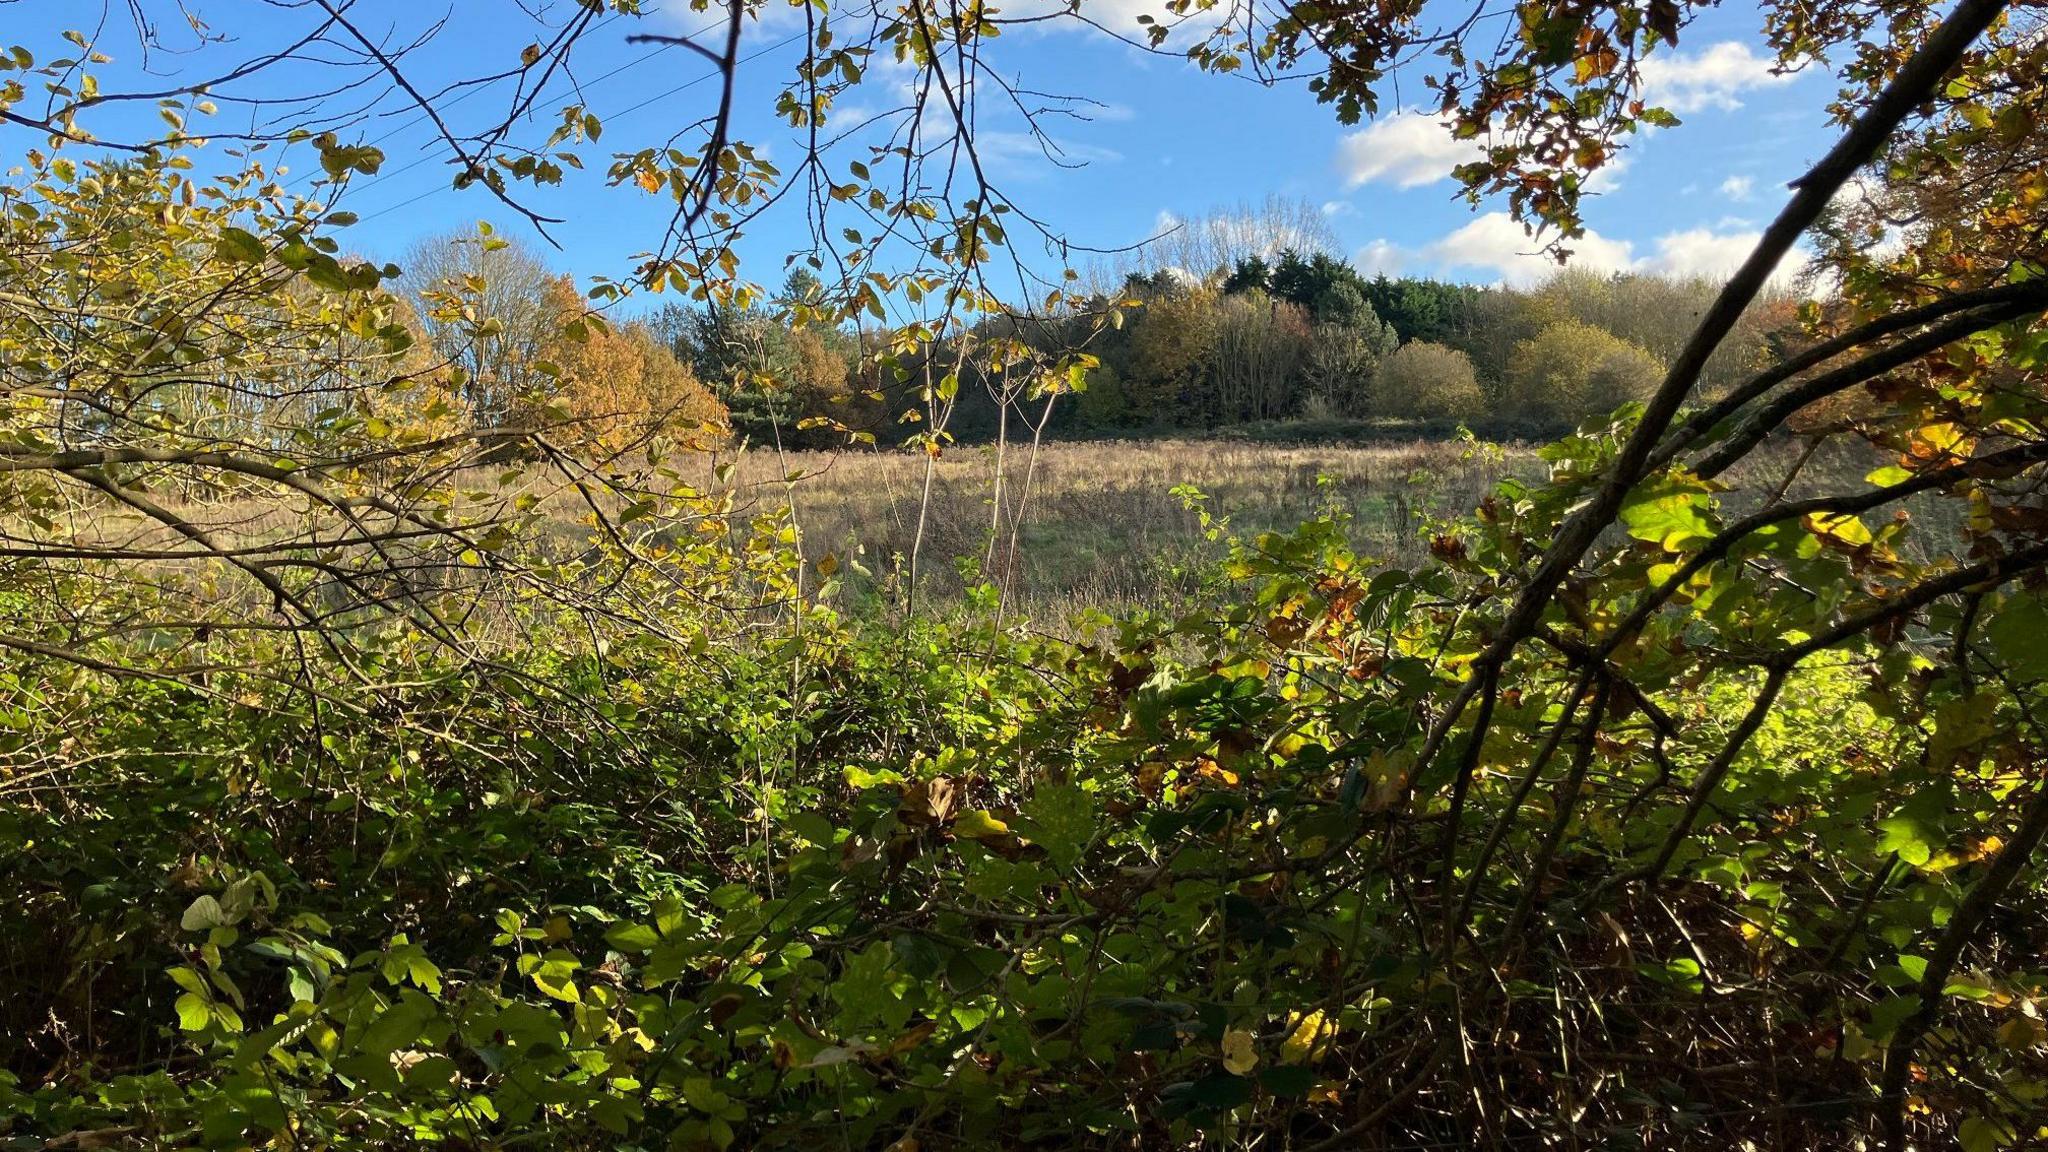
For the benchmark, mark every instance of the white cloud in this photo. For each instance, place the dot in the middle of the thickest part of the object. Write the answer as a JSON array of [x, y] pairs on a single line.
[[1380, 256], [1494, 243], [677, 18], [1407, 150], [1497, 248], [1862, 192], [1701, 252], [1119, 16], [1336, 208], [1411, 149], [1122, 15], [1714, 254], [1714, 78], [1737, 187], [1608, 178], [1864, 196], [842, 117]]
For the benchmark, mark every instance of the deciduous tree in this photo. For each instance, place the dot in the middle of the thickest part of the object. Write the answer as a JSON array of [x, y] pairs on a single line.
[[619, 387]]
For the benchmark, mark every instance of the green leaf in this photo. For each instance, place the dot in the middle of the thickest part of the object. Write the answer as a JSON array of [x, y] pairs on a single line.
[[1670, 512], [556, 977], [1887, 1014], [1218, 1092], [630, 937], [1287, 1079], [188, 979], [1061, 819], [979, 824], [326, 272], [194, 1013], [866, 990], [2016, 634], [1907, 836], [1983, 1134], [1960, 724], [203, 914], [399, 1026], [240, 246]]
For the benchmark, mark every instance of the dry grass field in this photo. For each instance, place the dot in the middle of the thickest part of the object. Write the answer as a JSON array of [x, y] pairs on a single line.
[[1111, 525], [1100, 524], [1103, 524]]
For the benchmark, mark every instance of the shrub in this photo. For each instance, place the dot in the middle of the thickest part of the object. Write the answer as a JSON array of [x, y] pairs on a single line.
[[1571, 370], [1424, 381], [1625, 374], [1103, 403]]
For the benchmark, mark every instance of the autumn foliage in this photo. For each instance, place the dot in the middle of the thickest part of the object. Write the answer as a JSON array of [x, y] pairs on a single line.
[[618, 386], [383, 764]]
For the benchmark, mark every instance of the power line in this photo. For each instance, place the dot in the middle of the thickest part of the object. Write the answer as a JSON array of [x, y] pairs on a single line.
[[627, 111], [440, 148], [785, 42]]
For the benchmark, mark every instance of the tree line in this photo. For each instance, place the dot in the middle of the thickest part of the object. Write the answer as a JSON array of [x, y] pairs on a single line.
[[1309, 337], [1302, 337]]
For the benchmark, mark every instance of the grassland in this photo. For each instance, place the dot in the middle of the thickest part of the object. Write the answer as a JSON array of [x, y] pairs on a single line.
[[1103, 524], [1112, 525]]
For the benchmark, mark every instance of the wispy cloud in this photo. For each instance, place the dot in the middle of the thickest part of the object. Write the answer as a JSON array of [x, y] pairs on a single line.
[[1027, 156]]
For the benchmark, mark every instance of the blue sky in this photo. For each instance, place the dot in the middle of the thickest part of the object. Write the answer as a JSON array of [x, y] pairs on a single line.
[[1166, 142]]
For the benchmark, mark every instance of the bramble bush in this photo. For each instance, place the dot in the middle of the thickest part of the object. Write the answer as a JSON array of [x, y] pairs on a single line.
[[353, 796], [956, 886]]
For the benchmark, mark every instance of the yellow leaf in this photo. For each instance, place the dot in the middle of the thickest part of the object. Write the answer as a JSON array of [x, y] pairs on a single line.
[[979, 825], [649, 180], [918, 1034], [1592, 65], [1846, 529], [1305, 1041], [1238, 1056], [2019, 1034]]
